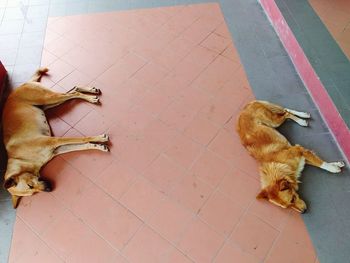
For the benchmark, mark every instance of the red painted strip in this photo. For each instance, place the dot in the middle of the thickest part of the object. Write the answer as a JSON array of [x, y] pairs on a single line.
[[2, 78], [318, 92]]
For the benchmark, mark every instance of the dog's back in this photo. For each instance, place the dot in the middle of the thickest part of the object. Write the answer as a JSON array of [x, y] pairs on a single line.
[[256, 129], [22, 121]]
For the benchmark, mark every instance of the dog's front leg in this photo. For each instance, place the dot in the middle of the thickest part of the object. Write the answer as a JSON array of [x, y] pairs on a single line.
[[312, 159], [65, 145]]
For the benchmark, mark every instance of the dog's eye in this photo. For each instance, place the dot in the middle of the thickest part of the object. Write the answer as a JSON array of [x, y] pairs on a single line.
[[293, 199], [30, 186]]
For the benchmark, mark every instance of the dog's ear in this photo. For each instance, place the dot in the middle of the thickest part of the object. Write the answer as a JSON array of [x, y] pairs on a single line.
[[262, 195], [9, 183], [15, 200], [284, 185]]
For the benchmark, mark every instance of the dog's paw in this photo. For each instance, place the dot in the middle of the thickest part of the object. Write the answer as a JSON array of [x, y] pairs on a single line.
[[302, 122], [104, 138], [338, 164], [334, 167], [105, 148], [101, 147], [304, 115], [94, 99], [95, 90]]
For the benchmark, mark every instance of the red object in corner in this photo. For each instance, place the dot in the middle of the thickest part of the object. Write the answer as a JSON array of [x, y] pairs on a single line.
[[3, 74]]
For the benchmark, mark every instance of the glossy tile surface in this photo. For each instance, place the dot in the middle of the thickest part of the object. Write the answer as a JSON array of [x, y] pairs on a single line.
[[177, 185]]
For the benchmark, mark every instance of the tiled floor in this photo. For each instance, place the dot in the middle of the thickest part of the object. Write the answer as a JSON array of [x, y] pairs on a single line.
[[336, 16], [177, 185]]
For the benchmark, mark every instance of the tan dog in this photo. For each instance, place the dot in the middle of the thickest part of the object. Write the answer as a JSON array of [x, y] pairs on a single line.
[[280, 163], [27, 135]]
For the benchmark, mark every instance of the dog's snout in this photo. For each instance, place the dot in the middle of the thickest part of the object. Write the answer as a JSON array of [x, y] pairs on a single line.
[[47, 186], [304, 211]]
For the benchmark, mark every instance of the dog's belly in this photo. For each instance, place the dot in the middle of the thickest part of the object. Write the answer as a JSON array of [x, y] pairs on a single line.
[[24, 122], [42, 123]]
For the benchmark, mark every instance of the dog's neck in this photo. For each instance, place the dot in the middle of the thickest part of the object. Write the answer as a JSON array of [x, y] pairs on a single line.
[[17, 166], [272, 172]]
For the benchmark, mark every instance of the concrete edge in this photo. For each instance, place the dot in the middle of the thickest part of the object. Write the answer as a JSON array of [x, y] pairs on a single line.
[[308, 75]]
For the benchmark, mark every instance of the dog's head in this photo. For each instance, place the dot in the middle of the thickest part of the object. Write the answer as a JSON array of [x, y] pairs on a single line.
[[281, 189], [25, 184]]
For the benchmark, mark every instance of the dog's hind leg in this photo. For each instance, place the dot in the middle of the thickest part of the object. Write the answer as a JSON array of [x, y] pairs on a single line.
[[301, 122], [80, 147], [60, 141], [274, 115], [312, 159], [300, 114], [91, 90]]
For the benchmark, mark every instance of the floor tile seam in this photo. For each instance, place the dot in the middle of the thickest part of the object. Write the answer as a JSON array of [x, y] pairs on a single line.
[[230, 236], [17, 49], [78, 217], [185, 230], [173, 245], [216, 191], [94, 230], [39, 236], [40, 233]]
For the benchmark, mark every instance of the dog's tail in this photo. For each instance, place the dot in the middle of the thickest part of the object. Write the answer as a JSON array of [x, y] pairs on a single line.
[[38, 74]]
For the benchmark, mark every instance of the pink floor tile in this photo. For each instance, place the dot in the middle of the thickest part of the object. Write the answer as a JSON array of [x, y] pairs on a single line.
[[154, 102], [227, 145], [201, 130], [147, 246], [175, 256], [44, 206], [110, 220], [58, 70], [72, 239], [159, 134], [164, 173], [240, 187], [231, 53], [47, 58], [294, 239], [142, 199], [75, 78], [29, 247], [183, 151], [92, 124], [210, 168], [116, 179], [230, 252], [254, 236], [122, 70], [58, 126], [178, 115], [275, 216], [171, 220], [216, 42], [200, 242], [72, 111], [68, 182], [223, 31], [219, 72], [221, 213], [192, 193], [177, 186]]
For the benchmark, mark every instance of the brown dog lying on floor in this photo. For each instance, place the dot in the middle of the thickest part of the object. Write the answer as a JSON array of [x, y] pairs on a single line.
[[27, 135], [280, 163]]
